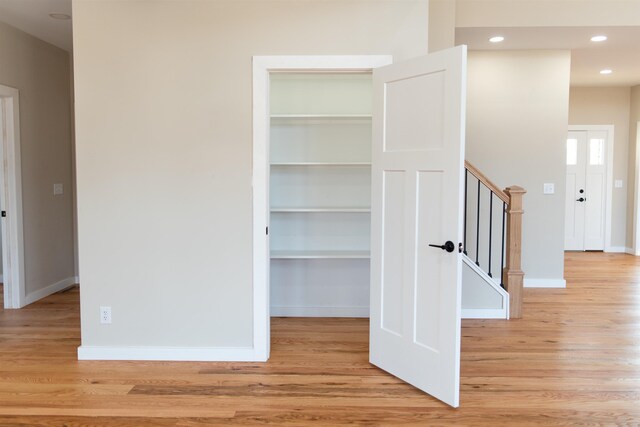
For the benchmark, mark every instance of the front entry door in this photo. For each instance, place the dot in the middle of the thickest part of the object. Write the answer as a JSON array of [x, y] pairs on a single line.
[[586, 187], [417, 201]]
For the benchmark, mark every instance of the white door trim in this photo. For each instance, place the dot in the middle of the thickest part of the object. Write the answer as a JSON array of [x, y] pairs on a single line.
[[635, 250], [13, 239], [609, 180], [262, 67]]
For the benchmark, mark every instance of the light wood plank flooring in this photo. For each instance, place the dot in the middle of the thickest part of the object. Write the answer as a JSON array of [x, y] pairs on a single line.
[[574, 358]]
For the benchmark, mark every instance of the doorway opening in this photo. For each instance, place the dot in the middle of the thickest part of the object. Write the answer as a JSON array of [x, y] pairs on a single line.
[[13, 288], [320, 193], [314, 196], [589, 189]]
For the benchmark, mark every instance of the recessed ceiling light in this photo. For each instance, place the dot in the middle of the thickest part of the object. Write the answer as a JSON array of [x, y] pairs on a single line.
[[598, 38], [61, 16], [496, 39], [606, 71]]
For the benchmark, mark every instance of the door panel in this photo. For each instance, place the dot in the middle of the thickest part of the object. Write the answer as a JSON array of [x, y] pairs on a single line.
[[594, 218], [428, 268], [575, 181], [393, 229], [595, 177], [407, 128], [570, 212], [417, 191]]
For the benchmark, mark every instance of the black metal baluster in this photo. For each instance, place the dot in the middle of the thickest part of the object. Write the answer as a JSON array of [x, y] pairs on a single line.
[[478, 226], [490, 227], [504, 214], [466, 175]]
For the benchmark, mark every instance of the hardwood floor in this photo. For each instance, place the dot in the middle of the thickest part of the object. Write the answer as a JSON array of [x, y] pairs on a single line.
[[574, 358]]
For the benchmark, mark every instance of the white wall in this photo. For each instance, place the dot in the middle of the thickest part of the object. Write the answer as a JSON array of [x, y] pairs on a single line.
[[476, 293], [517, 114], [41, 73], [163, 148], [608, 106]]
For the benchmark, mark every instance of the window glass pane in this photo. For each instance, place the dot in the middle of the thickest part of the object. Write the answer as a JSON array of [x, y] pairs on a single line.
[[596, 151], [572, 151]]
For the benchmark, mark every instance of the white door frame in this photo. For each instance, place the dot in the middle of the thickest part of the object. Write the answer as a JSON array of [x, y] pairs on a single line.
[[609, 180], [11, 199], [262, 67], [635, 250]]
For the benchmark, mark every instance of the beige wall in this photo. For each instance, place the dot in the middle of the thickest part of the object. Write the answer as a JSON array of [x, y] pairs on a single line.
[[442, 24], [634, 118], [517, 113], [163, 148], [40, 72], [547, 13], [608, 106]]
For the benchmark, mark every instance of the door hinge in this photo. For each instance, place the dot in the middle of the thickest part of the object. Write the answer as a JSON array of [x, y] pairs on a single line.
[[267, 230], [4, 214]]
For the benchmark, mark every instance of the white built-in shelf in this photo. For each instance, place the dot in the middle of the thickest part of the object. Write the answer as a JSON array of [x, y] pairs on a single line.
[[321, 116], [318, 209], [321, 164], [313, 254]]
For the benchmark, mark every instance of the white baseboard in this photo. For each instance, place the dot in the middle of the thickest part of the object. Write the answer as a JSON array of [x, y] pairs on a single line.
[[544, 283], [616, 249], [51, 289], [182, 354], [481, 313], [631, 251], [320, 311], [467, 313]]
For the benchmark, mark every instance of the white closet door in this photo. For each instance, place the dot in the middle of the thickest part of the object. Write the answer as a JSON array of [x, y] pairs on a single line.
[[417, 175]]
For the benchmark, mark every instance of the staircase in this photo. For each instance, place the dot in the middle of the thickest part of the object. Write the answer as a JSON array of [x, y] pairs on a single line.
[[492, 277]]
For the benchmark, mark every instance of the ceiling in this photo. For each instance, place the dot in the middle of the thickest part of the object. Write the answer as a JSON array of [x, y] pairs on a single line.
[[621, 52], [32, 16]]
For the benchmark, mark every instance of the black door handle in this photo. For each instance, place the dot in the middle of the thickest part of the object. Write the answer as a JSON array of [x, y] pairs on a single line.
[[448, 246], [581, 199]]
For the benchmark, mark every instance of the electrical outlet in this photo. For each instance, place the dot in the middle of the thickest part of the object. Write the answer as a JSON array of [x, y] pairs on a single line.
[[549, 188], [105, 315], [58, 189]]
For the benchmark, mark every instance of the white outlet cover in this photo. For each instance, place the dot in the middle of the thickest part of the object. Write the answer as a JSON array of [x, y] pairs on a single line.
[[549, 188], [618, 183], [105, 315], [58, 189]]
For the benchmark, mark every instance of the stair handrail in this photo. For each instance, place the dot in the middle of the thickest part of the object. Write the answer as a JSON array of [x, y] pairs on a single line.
[[487, 182], [512, 277]]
